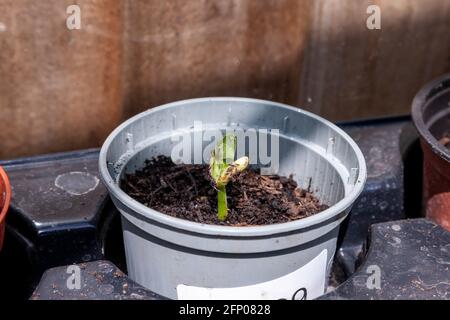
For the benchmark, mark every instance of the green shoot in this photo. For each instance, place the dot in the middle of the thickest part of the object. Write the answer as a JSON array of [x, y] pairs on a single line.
[[222, 168]]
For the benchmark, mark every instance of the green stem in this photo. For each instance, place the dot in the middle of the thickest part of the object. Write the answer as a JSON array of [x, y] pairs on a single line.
[[222, 210]]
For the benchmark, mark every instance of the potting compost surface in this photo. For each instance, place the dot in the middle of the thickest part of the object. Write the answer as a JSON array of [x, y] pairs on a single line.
[[186, 191]]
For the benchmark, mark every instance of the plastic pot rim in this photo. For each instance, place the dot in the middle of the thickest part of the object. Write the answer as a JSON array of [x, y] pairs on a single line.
[[229, 231], [426, 94]]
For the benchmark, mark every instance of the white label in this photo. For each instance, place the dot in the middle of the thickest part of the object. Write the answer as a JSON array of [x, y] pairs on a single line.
[[307, 282]]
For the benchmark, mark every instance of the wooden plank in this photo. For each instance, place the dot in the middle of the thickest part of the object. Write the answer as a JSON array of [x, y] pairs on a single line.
[[62, 90], [59, 89], [351, 72], [183, 49]]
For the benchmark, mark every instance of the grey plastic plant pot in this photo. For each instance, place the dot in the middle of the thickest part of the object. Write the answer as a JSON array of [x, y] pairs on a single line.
[[180, 259]]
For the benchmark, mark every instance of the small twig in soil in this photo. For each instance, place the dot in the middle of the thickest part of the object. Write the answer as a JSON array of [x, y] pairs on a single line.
[[134, 188], [173, 175], [309, 184], [152, 195], [165, 183], [192, 180]]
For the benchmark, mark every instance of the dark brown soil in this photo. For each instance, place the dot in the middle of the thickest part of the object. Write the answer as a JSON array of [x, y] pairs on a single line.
[[186, 191], [445, 140]]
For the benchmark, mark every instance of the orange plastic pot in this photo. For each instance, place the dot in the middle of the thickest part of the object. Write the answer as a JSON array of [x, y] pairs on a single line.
[[5, 196], [431, 116]]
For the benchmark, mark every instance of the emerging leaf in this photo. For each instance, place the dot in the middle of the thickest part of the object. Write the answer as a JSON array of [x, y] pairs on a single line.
[[226, 148], [221, 157], [222, 168], [214, 168]]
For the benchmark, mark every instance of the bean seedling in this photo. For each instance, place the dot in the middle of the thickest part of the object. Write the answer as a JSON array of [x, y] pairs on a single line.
[[223, 167]]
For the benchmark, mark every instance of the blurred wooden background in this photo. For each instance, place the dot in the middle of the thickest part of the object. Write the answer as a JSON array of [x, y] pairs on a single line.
[[66, 89]]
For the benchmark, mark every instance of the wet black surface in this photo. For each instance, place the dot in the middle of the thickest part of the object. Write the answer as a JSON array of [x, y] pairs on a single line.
[[62, 218], [411, 258], [383, 196], [99, 280], [52, 220]]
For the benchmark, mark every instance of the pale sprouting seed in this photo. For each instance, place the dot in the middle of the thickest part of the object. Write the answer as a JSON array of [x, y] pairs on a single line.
[[222, 168]]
